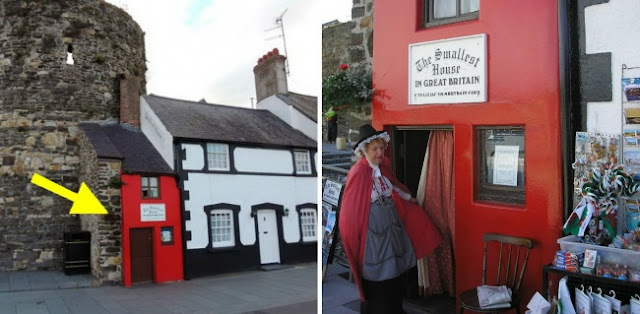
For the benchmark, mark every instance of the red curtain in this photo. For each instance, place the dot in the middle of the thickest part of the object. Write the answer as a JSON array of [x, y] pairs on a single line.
[[439, 205]]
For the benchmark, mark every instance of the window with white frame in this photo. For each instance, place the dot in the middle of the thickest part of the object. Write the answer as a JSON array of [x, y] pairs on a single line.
[[222, 233], [308, 224], [150, 187], [303, 162], [439, 12], [218, 156]]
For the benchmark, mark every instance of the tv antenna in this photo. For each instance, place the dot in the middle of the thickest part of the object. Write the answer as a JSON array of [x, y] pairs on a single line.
[[280, 24]]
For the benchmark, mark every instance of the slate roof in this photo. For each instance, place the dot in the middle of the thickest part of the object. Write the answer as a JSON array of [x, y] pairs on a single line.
[[127, 143], [308, 105], [195, 120]]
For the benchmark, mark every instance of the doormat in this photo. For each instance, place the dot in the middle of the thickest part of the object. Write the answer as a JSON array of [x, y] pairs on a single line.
[[431, 305], [345, 275], [274, 267]]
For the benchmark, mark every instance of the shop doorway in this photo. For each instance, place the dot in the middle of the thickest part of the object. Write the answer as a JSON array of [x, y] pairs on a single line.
[[423, 160], [141, 246], [268, 237]]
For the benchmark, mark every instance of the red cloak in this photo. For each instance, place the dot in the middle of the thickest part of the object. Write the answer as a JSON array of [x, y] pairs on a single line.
[[354, 217]]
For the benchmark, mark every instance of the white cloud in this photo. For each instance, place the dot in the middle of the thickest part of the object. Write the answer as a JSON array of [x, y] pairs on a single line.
[[208, 48]]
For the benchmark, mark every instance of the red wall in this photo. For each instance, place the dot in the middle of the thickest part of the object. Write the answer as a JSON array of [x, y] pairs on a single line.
[[167, 259], [523, 89]]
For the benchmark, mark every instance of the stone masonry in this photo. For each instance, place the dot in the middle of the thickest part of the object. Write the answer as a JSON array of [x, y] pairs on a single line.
[[42, 101], [362, 31], [103, 176], [351, 43]]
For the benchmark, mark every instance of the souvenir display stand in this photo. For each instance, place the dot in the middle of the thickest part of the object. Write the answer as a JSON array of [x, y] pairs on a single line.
[[603, 252], [624, 289]]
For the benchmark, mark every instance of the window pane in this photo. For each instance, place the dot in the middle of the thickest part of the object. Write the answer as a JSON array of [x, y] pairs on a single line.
[[509, 144], [153, 181], [145, 193], [444, 8], [145, 181], [218, 156], [303, 164], [501, 168], [308, 224], [222, 228], [468, 6], [154, 192]]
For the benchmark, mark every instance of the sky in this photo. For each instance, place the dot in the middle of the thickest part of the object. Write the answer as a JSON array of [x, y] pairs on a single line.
[[207, 48]]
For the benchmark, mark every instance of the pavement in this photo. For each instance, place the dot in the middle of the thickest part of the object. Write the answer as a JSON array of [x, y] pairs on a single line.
[[340, 296], [11, 281], [290, 290], [330, 148]]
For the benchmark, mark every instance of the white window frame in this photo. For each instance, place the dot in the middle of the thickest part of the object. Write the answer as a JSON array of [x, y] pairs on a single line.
[[215, 241], [211, 154], [309, 224], [149, 187], [429, 14], [303, 160]]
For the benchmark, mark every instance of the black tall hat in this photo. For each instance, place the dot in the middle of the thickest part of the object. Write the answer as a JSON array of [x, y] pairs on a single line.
[[367, 133]]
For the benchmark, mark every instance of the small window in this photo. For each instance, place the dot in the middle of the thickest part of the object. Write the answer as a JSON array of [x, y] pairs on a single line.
[[70, 55], [439, 12], [218, 156], [166, 235], [303, 163], [222, 234], [308, 224], [501, 158], [150, 187]]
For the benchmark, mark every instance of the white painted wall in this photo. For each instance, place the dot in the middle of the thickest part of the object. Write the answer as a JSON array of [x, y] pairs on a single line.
[[290, 115], [195, 157], [245, 191], [612, 27], [263, 160], [156, 132]]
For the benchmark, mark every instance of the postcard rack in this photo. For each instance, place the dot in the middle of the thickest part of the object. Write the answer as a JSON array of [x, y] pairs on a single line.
[[624, 289]]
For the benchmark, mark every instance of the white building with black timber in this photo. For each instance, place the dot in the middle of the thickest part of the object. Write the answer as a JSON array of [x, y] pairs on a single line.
[[248, 182]]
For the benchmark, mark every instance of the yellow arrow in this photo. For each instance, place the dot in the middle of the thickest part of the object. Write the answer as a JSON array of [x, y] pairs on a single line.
[[84, 202]]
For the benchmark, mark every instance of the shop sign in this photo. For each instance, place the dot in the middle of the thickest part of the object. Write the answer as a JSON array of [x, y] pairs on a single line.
[[331, 193], [448, 71], [152, 212]]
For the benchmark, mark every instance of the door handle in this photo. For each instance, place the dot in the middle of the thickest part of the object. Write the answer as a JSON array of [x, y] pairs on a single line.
[[264, 232]]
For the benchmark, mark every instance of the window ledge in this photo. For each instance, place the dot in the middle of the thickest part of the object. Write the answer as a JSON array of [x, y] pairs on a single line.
[[223, 249], [452, 20], [309, 243]]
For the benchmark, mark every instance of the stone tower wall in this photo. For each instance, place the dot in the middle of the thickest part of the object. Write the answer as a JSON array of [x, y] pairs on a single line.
[[42, 100], [351, 43]]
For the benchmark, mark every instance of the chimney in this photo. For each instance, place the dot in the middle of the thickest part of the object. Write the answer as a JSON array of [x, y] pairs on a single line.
[[129, 100], [270, 75]]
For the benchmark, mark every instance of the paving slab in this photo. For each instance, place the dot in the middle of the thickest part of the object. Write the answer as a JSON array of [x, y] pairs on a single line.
[[339, 295], [231, 293]]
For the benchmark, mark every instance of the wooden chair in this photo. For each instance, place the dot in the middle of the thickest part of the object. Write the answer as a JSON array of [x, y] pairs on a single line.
[[509, 273]]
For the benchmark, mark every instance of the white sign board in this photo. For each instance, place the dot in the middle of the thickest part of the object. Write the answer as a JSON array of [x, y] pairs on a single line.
[[331, 192], [448, 71], [505, 165], [152, 212]]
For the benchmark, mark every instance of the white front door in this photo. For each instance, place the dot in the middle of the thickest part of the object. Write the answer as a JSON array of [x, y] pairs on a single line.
[[268, 237]]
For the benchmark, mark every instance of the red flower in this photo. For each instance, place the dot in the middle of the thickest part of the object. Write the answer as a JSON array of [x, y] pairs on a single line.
[[343, 66]]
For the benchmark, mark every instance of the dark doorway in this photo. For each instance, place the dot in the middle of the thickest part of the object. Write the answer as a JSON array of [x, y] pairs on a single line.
[[408, 148], [141, 255]]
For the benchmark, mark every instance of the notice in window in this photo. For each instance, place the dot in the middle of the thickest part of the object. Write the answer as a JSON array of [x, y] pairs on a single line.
[[505, 165]]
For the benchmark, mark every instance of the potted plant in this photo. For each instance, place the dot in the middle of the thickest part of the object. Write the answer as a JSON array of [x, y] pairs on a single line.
[[350, 87]]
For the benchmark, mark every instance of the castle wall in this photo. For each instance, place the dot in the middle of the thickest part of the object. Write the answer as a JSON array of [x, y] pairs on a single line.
[[42, 100]]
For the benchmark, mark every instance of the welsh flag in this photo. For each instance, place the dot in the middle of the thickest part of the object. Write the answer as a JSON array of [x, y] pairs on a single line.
[[579, 218]]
